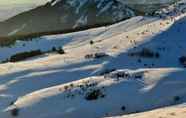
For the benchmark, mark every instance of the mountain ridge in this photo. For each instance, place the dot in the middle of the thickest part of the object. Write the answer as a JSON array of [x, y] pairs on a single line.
[[65, 15]]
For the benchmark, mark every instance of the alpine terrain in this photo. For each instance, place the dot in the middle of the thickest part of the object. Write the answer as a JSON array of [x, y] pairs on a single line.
[[95, 59]]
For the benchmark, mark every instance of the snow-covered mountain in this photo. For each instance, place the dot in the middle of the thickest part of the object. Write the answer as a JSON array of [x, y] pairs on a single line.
[[129, 67], [133, 66], [59, 15]]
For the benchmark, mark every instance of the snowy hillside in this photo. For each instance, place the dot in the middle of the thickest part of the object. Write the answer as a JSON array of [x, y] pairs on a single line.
[[133, 66], [95, 97], [177, 111]]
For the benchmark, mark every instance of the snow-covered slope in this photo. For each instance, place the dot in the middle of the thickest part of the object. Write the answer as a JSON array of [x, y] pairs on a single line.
[[111, 95], [177, 111], [132, 66]]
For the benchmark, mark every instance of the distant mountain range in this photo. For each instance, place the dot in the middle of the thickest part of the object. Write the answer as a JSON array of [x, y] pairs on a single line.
[[62, 15], [59, 16]]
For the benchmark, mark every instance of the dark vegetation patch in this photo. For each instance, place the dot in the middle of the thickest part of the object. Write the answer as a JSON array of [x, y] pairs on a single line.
[[120, 75], [6, 42], [15, 112], [12, 102], [182, 60], [145, 53], [139, 60], [60, 51], [177, 98], [100, 55], [89, 56], [11, 40], [24, 55], [123, 108], [107, 71], [94, 94], [96, 55], [87, 89], [138, 76], [91, 42]]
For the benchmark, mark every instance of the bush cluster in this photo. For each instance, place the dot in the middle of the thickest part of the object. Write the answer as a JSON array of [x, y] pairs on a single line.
[[14, 112], [96, 55], [146, 53], [25, 55], [182, 60], [94, 94]]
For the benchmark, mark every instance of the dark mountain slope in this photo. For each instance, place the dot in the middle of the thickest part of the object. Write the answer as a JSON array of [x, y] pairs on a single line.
[[65, 15]]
